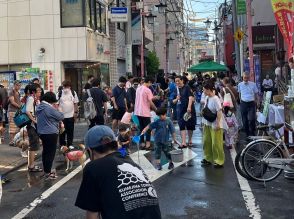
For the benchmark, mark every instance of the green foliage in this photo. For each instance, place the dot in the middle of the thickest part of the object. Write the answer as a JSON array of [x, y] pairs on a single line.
[[152, 64]]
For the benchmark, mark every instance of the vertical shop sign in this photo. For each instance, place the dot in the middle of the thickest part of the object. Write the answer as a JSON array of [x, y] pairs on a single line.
[[257, 70], [50, 79], [284, 14]]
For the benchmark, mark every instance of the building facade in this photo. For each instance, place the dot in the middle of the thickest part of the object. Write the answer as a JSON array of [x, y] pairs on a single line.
[[68, 37]]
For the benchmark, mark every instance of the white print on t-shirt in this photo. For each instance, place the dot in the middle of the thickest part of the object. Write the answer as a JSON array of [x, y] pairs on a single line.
[[131, 174], [135, 189]]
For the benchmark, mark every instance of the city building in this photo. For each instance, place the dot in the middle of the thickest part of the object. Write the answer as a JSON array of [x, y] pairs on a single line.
[[68, 37]]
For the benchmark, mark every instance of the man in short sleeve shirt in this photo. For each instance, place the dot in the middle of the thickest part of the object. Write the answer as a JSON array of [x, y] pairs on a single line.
[[143, 106], [248, 93], [114, 187], [100, 101], [119, 101], [68, 104]]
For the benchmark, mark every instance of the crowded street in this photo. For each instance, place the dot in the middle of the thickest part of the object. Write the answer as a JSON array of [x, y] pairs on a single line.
[[146, 109], [188, 191]]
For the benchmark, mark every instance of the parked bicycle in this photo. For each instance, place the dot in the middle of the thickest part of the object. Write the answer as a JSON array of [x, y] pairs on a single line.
[[263, 159]]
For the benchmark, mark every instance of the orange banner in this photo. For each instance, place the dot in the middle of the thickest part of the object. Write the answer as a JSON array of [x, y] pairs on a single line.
[[284, 14]]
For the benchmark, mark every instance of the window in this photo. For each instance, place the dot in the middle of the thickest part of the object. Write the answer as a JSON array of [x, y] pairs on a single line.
[[100, 19], [71, 13], [103, 18], [80, 13], [98, 16]]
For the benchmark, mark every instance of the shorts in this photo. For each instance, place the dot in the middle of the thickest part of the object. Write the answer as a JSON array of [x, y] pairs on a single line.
[[117, 114], [34, 139], [187, 125], [13, 129]]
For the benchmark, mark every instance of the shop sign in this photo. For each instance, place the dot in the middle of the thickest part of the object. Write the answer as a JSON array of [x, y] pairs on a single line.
[[241, 7], [263, 34], [100, 48], [119, 14], [284, 14], [257, 70]]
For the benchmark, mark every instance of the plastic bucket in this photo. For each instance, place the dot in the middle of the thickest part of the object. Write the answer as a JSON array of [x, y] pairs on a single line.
[[177, 155]]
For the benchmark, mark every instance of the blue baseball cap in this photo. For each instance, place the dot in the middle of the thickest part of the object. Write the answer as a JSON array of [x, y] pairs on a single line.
[[99, 135]]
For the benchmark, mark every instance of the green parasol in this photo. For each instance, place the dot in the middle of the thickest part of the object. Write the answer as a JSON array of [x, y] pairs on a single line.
[[207, 66]]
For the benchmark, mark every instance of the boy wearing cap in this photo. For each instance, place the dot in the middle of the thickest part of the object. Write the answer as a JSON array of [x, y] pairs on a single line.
[[14, 105], [114, 186], [163, 128]]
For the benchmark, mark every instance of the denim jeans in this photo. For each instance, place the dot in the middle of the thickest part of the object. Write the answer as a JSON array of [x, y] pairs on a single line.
[[248, 113]]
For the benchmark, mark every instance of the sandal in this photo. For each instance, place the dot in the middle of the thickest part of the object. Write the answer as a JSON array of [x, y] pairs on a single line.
[[182, 146], [148, 148], [190, 145], [50, 176], [35, 169]]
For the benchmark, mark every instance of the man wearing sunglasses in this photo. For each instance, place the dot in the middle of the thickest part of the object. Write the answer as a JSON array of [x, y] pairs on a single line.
[[114, 186]]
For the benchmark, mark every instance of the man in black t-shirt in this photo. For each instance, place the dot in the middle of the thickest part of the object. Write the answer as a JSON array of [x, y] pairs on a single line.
[[119, 101], [89, 84], [114, 187], [100, 101]]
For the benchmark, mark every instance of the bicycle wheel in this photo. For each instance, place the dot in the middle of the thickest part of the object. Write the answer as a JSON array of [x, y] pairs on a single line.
[[253, 163], [239, 168]]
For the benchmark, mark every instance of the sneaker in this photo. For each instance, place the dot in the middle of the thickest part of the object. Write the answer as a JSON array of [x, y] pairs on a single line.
[[158, 167], [71, 147], [170, 165], [24, 154]]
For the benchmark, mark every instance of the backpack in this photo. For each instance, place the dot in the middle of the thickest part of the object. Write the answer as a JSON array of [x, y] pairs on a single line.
[[60, 93], [90, 111]]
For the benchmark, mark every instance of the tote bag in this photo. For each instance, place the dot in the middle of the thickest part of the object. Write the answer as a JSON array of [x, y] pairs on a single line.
[[20, 118]]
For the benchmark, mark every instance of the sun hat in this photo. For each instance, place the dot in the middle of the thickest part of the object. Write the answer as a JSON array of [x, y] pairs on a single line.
[[99, 135]]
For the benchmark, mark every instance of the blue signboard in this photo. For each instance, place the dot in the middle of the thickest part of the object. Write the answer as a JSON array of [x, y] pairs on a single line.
[[119, 10], [257, 70], [119, 14]]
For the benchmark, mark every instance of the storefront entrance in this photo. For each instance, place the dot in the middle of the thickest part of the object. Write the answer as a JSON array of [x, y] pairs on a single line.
[[77, 74]]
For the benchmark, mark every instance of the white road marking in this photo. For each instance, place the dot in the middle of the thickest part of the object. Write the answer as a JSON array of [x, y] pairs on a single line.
[[247, 194], [47, 193], [152, 173]]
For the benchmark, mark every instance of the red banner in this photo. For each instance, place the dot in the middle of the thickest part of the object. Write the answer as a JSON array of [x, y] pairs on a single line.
[[284, 14]]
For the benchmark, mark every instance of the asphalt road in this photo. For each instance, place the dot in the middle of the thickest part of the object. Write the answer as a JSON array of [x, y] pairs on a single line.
[[189, 191]]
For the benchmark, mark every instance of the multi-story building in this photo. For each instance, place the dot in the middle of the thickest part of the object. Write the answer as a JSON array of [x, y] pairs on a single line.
[[68, 37]]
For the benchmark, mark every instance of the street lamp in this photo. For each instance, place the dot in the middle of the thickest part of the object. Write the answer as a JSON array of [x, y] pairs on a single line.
[[161, 7], [207, 23], [150, 18]]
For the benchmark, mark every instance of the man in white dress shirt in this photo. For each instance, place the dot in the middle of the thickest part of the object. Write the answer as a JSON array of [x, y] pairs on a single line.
[[267, 84], [248, 93]]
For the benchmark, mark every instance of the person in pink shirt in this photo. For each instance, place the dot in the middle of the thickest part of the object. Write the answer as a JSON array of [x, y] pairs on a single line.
[[142, 110]]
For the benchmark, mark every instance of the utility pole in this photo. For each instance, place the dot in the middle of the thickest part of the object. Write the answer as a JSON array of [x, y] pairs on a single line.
[[129, 53], [166, 44], [235, 27], [142, 40], [249, 33]]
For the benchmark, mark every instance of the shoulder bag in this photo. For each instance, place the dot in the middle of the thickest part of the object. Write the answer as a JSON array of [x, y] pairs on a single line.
[[208, 114]]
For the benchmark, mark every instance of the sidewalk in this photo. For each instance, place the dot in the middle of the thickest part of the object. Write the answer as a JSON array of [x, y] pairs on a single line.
[[10, 158]]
